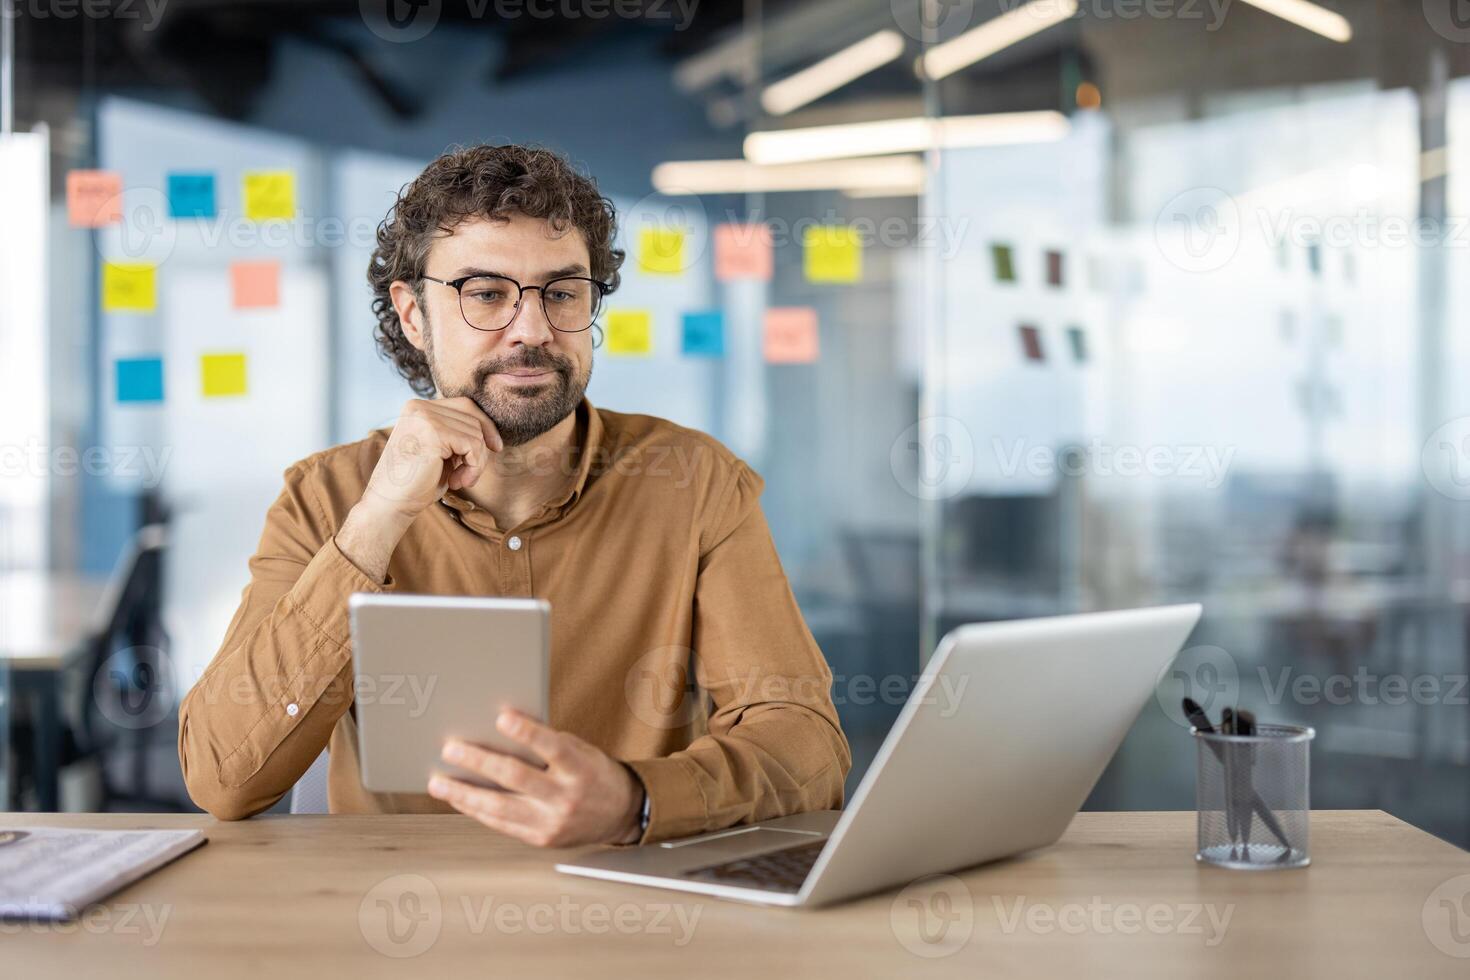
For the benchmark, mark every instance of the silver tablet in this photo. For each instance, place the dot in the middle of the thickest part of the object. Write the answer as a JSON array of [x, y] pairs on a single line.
[[427, 668]]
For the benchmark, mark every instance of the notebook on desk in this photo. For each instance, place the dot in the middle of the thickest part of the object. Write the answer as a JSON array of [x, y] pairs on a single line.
[[50, 873]]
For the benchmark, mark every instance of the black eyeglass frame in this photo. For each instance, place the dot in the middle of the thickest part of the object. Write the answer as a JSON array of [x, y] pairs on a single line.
[[458, 286]]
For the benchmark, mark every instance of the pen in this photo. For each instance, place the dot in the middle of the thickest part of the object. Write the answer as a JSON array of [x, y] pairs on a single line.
[[1201, 721], [1232, 807], [1245, 724]]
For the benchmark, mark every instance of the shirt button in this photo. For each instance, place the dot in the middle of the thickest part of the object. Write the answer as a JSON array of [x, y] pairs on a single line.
[[513, 543], [292, 710]]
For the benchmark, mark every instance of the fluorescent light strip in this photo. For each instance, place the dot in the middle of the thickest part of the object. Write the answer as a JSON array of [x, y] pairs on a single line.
[[1318, 20], [831, 73], [898, 174], [996, 34], [908, 135]]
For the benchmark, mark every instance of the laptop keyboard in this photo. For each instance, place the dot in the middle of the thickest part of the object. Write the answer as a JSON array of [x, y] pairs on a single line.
[[774, 871]]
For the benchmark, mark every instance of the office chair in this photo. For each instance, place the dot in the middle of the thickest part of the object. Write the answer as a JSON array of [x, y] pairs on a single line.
[[309, 795]]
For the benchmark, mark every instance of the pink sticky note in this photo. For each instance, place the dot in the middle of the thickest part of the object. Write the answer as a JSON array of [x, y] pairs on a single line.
[[743, 251], [93, 198], [255, 284], [791, 335]]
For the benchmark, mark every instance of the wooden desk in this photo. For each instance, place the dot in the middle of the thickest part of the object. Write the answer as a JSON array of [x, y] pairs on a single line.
[[1119, 896], [46, 619]]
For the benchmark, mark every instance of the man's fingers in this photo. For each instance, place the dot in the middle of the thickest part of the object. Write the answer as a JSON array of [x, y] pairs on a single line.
[[506, 770], [479, 802], [557, 748], [468, 409]]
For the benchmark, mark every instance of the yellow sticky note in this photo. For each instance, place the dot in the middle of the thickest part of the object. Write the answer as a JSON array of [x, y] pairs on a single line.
[[129, 287], [661, 251], [832, 253], [222, 375], [270, 194], [630, 332]]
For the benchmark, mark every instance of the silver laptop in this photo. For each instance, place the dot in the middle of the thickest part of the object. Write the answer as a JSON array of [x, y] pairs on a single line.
[[1002, 738]]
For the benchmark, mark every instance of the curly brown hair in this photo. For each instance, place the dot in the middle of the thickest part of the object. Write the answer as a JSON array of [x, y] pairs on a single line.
[[479, 182]]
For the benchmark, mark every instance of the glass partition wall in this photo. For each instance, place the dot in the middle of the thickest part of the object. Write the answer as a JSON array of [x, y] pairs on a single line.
[[1200, 344]]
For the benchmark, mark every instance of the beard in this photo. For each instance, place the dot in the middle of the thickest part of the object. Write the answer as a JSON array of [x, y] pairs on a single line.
[[524, 412]]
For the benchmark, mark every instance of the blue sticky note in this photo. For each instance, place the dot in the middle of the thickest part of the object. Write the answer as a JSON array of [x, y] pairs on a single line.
[[140, 379], [191, 195], [704, 334]]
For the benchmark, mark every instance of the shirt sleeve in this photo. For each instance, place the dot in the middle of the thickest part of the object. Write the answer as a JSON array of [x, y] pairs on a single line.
[[265, 707], [774, 745]]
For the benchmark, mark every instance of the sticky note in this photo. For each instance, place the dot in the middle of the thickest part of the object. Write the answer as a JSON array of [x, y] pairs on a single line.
[[1053, 267], [661, 251], [139, 379], [255, 284], [270, 194], [129, 287], [1031, 343], [1004, 262], [791, 335], [630, 332], [93, 198], [191, 196], [222, 375], [704, 334], [1079, 344], [743, 251], [833, 253]]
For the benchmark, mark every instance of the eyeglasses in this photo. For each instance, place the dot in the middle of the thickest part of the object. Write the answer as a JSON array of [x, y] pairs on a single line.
[[491, 302]]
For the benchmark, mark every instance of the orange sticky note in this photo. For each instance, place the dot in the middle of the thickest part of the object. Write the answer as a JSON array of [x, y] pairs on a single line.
[[93, 198], [743, 251], [791, 335], [255, 285]]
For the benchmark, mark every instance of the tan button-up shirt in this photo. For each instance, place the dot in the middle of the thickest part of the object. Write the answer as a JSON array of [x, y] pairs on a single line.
[[658, 566]]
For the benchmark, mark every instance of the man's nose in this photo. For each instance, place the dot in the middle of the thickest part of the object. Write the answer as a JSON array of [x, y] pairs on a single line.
[[530, 326]]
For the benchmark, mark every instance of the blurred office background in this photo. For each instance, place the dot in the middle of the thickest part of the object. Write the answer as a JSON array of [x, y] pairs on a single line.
[[1098, 303]]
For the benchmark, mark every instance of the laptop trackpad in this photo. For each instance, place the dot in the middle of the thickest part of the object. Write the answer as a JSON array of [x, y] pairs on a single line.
[[740, 842]]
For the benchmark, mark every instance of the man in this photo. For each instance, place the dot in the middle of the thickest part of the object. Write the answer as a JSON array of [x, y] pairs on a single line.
[[646, 538]]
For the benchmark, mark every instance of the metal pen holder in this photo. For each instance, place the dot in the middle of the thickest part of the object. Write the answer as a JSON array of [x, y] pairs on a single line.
[[1252, 798]]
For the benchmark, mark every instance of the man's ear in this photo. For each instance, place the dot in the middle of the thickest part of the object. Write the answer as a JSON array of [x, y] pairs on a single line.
[[410, 314]]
